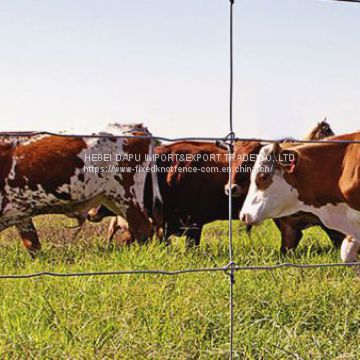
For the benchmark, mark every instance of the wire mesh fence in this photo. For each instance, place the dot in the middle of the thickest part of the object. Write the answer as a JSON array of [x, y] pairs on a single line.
[[231, 267], [228, 269]]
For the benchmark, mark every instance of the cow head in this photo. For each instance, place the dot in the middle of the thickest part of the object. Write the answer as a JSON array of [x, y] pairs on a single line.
[[271, 193], [322, 130], [245, 154]]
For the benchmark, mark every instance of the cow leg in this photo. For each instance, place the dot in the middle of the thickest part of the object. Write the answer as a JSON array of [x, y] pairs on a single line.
[[171, 227], [335, 236], [160, 234], [193, 237], [29, 236], [113, 228], [290, 236], [350, 249]]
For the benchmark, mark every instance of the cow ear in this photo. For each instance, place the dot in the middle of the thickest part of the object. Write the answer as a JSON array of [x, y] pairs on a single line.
[[287, 159]]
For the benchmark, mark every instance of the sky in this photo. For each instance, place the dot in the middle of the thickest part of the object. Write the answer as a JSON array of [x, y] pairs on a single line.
[[77, 66]]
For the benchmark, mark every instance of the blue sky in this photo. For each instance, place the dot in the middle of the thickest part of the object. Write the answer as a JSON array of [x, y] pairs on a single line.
[[79, 65]]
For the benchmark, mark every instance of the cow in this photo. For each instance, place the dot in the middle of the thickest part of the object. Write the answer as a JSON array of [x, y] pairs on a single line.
[[185, 194], [322, 179], [56, 174], [290, 227]]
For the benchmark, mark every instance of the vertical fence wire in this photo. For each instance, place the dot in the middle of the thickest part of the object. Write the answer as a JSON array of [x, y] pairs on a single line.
[[230, 153], [231, 268]]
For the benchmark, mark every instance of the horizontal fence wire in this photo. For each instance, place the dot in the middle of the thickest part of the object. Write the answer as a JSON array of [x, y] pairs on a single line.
[[226, 269], [351, 1], [226, 138], [229, 139]]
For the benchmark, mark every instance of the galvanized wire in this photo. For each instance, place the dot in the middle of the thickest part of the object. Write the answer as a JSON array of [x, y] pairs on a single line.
[[230, 142], [226, 269], [226, 138], [352, 1], [231, 267]]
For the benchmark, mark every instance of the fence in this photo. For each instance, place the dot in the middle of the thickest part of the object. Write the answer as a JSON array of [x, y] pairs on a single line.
[[231, 267]]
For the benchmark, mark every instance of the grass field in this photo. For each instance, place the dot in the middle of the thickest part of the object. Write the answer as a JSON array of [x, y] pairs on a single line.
[[285, 314]]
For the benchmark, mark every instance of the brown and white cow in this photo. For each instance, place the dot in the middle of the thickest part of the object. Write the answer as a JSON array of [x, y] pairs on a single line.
[[191, 198], [290, 227], [323, 179], [69, 175]]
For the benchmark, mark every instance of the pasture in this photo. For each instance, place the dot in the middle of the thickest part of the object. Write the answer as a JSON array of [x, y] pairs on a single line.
[[284, 314]]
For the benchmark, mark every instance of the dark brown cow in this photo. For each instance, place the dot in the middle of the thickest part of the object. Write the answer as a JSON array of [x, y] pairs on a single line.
[[69, 175], [193, 188], [323, 179], [290, 227]]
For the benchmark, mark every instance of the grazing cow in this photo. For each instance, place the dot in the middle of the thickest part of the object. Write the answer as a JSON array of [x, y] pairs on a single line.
[[191, 178], [323, 179], [290, 227], [70, 175]]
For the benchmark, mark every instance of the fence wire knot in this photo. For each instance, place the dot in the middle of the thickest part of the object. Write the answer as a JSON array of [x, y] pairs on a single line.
[[229, 270], [230, 137], [229, 141]]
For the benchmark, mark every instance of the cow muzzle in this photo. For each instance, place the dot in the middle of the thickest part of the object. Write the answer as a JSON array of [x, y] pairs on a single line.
[[247, 219], [235, 190]]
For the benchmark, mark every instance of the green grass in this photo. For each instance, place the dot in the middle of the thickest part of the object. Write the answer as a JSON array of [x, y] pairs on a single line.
[[284, 314]]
